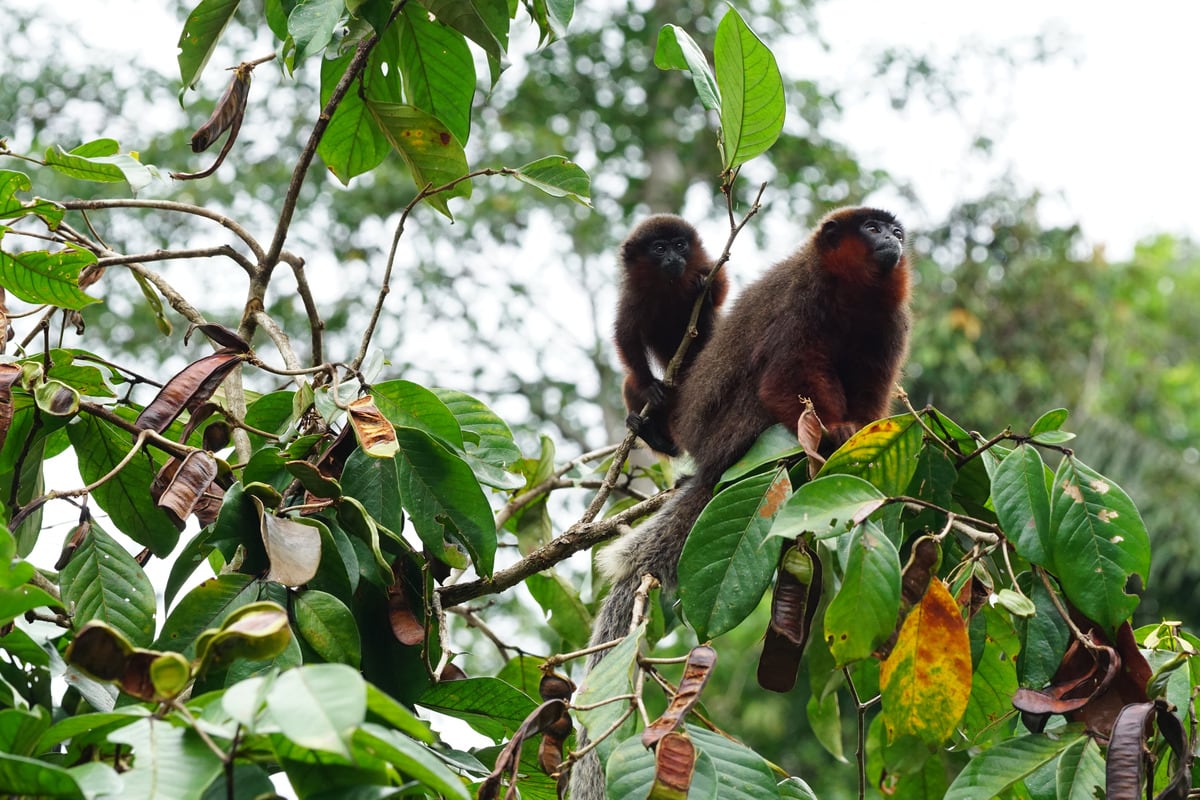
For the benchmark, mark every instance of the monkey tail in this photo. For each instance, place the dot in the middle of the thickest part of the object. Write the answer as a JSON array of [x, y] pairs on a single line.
[[653, 548]]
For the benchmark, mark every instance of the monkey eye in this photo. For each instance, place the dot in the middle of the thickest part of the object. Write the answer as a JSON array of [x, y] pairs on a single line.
[[658, 248], [873, 227], [681, 245], [898, 233]]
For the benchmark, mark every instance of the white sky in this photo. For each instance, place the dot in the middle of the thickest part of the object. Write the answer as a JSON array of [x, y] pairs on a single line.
[[1107, 133]]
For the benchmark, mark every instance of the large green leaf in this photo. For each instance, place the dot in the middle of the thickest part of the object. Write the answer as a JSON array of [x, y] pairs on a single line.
[[104, 582], [828, 506], [328, 627], [32, 777], [352, 144], [490, 706], [484, 22], [1097, 541], [994, 770], [443, 498], [1022, 503], [411, 758], [677, 50], [410, 405], [631, 768], [93, 162], [884, 453], [312, 24], [751, 91], [39, 276], [17, 595], [199, 37], [864, 611], [374, 483], [169, 763], [319, 706], [438, 70], [100, 446], [565, 612], [729, 557], [612, 677], [11, 207], [433, 155], [742, 774], [485, 435]]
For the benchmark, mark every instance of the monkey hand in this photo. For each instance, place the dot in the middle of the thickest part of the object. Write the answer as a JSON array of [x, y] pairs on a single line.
[[652, 433], [656, 393], [837, 434]]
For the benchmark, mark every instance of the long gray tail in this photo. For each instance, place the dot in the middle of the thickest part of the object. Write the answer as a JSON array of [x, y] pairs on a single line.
[[654, 547]]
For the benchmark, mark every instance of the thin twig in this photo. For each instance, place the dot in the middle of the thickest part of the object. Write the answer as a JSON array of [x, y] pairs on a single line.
[[175, 255], [579, 536], [282, 343], [551, 483], [170, 205]]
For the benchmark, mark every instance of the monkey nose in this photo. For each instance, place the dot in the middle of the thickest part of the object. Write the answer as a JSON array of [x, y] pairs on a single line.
[[887, 255]]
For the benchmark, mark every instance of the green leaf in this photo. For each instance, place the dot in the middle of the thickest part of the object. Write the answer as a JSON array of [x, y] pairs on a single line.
[[204, 607], [1050, 421], [398, 716], [438, 70], [1022, 503], [565, 612], [485, 435], [885, 453], [729, 557], [630, 772], [412, 759], [199, 38], [17, 595], [1043, 638], [433, 155], [169, 763], [352, 144], [612, 677], [772, 445], [751, 92], [12, 208], [490, 706], [677, 50], [312, 23], [443, 499], [374, 482], [102, 581], [100, 446], [1081, 771], [742, 774], [410, 405], [1098, 541], [558, 176], [994, 680], [993, 771], [484, 22], [109, 168], [328, 626], [828, 506], [318, 706], [863, 613], [39, 276], [33, 777]]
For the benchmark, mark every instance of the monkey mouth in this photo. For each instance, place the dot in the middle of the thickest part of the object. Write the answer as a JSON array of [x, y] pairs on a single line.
[[887, 256]]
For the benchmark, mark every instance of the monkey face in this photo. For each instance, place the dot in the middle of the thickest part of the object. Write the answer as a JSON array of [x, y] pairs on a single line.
[[885, 240], [671, 255]]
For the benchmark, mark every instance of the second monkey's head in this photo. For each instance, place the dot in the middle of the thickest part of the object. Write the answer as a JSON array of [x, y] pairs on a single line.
[[851, 240], [662, 244]]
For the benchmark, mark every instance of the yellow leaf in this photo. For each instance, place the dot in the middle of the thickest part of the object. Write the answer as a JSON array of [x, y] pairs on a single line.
[[926, 681]]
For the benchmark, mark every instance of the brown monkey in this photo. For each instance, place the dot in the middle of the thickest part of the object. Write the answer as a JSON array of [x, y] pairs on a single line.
[[664, 266], [829, 323]]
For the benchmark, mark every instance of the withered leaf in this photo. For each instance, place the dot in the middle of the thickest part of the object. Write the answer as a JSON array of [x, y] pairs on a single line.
[[9, 374], [406, 627], [1128, 753], [509, 759], [293, 548], [194, 384], [696, 672], [180, 487], [375, 434]]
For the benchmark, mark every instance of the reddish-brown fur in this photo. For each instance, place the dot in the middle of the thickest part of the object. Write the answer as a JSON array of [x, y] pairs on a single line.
[[829, 323], [658, 292]]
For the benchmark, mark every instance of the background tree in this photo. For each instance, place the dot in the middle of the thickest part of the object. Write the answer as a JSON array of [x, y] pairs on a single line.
[[364, 597]]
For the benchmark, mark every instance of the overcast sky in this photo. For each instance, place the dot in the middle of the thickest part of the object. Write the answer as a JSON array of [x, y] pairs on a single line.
[[1107, 131]]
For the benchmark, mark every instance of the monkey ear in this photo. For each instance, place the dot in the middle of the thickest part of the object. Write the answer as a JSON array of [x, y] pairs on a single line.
[[829, 229]]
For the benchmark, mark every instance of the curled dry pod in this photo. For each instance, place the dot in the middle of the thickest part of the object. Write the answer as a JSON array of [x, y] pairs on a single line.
[[555, 687], [793, 606]]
